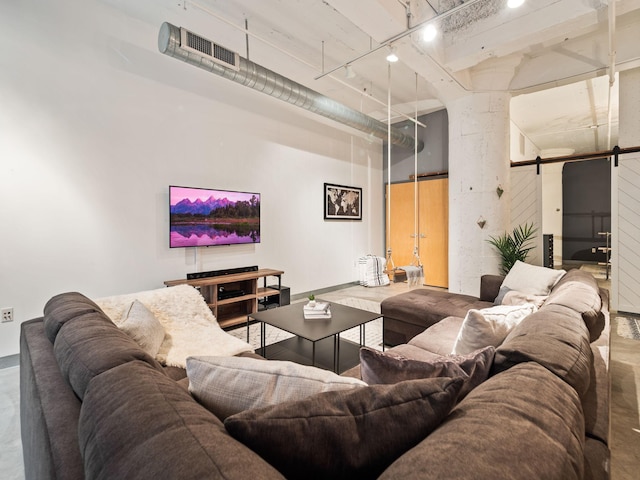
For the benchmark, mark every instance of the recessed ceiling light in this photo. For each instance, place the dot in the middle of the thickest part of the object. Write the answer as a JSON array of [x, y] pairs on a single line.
[[514, 3], [392, 57], [429, 33]]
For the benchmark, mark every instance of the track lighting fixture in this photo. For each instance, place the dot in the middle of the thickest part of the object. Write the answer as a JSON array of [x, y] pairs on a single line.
[[392, 57]]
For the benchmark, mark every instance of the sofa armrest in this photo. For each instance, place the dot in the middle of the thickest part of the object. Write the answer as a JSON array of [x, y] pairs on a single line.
[[489, 287]]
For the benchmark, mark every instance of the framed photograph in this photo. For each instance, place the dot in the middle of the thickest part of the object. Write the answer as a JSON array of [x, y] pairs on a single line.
[[342, 202]]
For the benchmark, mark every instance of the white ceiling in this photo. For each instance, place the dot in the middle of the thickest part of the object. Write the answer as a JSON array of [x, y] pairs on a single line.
[[552, 55]]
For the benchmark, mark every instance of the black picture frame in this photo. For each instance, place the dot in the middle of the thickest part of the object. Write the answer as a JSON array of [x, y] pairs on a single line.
[[342, 202]]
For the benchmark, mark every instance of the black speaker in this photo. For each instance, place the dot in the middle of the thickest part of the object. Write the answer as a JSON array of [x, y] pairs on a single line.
[[547, 251], [284, 298]]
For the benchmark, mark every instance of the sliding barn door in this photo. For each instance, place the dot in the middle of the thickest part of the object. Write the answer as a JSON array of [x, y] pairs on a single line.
[[433, 228]]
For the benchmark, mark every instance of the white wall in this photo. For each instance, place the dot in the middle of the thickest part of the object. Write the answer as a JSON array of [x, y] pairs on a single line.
[[95, 124]]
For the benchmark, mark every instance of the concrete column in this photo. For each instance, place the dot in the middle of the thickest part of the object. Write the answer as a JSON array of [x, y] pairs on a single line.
[[478, 164]]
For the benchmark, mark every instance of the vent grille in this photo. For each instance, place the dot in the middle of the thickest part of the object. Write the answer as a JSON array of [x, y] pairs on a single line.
[[224, 55], [200, 44], [217, 53]]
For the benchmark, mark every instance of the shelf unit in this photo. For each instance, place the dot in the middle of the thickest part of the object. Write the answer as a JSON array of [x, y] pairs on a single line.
[[242, 288], [607, 252]]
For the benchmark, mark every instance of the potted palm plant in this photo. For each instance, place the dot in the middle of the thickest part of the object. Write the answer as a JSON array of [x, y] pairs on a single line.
[[514, 246]]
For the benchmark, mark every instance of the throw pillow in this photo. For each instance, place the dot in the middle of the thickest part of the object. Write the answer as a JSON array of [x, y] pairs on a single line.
[[346, 434], [489, 326], [390, 367], [228, 385], [531, 278], [141, 324]]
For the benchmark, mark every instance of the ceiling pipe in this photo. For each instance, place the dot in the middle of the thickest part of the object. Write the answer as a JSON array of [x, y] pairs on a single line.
[[266, 81]]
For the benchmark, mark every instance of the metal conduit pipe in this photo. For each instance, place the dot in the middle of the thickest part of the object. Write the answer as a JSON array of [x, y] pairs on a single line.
[[266, 81]]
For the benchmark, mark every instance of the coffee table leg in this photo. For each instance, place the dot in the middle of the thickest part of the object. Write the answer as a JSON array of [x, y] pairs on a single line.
[[362, 335], [336, 353], [248, 317], [263, 332], [313, 354]]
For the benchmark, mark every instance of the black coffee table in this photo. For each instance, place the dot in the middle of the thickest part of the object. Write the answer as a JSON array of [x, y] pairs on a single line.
[[317, 342]]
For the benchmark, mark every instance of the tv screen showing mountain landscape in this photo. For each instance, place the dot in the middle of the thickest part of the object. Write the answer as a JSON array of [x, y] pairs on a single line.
[[201, 217]]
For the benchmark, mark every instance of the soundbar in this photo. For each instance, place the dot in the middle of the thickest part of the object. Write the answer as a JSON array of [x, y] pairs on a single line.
[[218, 273]]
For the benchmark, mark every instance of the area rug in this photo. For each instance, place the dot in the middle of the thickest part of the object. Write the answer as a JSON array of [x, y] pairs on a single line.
[[628, 328], [373, 330]]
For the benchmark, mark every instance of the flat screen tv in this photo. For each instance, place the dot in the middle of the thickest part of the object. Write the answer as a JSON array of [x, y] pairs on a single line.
[[203, 217]]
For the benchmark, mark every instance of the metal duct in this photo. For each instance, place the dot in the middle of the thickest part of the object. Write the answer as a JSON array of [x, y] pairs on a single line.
[[191, 48]]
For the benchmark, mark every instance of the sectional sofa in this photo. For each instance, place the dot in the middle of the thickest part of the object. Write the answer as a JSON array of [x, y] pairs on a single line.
[[95, 403]]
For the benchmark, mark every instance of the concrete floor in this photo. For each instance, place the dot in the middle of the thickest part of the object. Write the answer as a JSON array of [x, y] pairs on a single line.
[[625, 410]]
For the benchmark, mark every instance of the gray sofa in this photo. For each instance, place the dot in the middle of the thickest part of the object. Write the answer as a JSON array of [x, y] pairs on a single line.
[[95, 405], [567, 339], [409, 314]]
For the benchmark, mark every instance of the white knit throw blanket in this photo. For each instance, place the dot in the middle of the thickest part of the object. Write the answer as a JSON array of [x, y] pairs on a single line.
[[190, 326], [415, 275]]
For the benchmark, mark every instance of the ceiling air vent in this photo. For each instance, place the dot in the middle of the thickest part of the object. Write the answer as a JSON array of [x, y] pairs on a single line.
[[217, 53]]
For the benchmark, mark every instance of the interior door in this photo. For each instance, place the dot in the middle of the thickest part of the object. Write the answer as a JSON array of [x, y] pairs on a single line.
[[399, 238], [434, 231], [433, 228]]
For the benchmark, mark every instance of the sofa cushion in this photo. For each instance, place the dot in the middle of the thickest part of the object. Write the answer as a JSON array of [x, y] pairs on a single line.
[[532, 279], [392, 367], [489, 326], [64, 307], [141, 324], [228, 385], [91, 344], [556, 338], [137, 423], [524, 423], [346, 434], [579, 291], [424, 307], [439, 338]]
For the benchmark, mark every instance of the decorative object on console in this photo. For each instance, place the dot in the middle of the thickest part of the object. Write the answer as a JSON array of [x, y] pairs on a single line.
[[342, 202], [514, 246], [201, 217]]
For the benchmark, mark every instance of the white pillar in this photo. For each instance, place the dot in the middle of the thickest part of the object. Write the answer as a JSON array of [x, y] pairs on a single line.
[[478, 164]]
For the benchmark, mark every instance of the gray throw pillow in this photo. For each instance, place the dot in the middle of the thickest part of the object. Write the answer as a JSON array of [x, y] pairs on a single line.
[[390, 367], [141, 324], [228, 385], [346, 434]]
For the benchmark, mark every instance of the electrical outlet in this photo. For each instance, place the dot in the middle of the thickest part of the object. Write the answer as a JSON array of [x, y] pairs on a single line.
[[6, 314]]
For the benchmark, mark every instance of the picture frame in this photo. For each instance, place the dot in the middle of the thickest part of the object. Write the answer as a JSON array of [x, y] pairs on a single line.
[[342, 202]]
